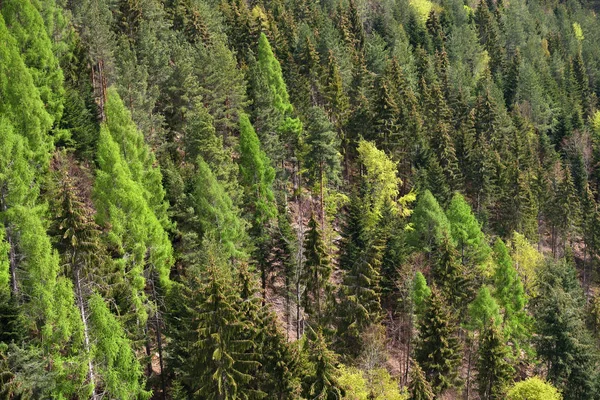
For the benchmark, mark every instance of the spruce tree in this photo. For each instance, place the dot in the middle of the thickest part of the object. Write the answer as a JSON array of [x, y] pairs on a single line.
[[418, 387], [438, 348], [322, 159], [321, 380], [317, 270], [493, 366], [562, 341]]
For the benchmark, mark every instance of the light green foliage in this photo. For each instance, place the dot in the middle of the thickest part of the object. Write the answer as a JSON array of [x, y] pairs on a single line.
[[428, 224], [27, 27], [382, 184], [127, 198], [510, 293], [20, 101], [527, 260], [272, 70], [256, 175], [484, 310], [357, 387], [420, 292], [422, 8], [136, 154], [577, 31], [533, 389], [4, 264], [219, 217], [119, 372], [466, 232]]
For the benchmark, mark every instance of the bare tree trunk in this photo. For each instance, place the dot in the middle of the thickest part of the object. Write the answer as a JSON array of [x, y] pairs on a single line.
[[86, 332]]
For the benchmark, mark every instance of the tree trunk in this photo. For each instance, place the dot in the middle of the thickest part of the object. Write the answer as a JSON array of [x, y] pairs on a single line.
[[468, 393], [86, 332]]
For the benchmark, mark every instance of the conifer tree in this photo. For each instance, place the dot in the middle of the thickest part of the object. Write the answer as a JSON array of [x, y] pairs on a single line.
[[466, 232], [322, 159], [418, 387], [336, 99], [217, 215], [429, 224], [438, 349], [494, 369], [321, 380], [562, 341], [510, 294], [256, 177], [273, 112], [27, 27], [317, 270], [450, 275]]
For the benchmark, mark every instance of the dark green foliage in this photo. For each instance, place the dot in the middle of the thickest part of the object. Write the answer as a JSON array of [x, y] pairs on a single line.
[[438, 348], [317, 270], [493, 366], [419, 388], [321, 380], [563, 341]]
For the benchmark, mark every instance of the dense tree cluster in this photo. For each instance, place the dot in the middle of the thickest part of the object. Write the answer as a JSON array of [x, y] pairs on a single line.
[[289, 199]]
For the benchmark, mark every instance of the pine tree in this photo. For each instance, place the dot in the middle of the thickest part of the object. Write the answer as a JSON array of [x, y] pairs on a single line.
[[494, 369], [438, 349], [317, 269]]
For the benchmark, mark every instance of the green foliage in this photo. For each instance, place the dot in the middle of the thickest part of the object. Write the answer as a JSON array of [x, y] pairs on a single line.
[[420, 293], [510, 294], [484, 310], [562, 340], [466, 232], [438, 348], [27, 27], [493, 366], [419, 388], [429, 224], [317, 270], [119, 371], [357, 387], [533, 389], [128, 197], [218, 217], [321, 381]]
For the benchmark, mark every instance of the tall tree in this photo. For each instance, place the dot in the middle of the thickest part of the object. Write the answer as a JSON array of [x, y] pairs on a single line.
[[494, 369], [317, 270], [438, 349]]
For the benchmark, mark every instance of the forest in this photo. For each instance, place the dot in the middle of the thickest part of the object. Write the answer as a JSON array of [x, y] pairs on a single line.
[[299, 199]]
